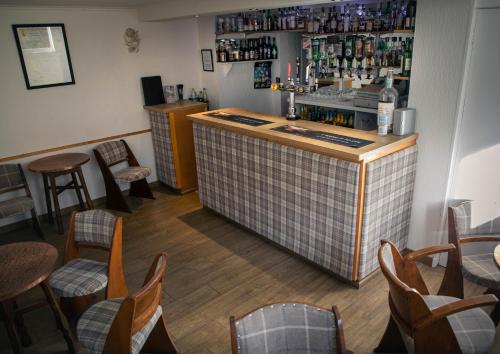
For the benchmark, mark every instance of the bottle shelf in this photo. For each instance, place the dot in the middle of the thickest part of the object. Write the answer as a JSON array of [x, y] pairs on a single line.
[[399, 77], [245, 61], [373, 33], [245, 33]]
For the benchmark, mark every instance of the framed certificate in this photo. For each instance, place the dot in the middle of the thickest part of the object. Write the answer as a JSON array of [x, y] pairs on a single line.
[[207, 60], [44, 55]]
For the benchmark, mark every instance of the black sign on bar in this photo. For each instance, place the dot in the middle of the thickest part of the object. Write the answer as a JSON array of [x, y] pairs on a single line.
[[323, 136], [254, 122]]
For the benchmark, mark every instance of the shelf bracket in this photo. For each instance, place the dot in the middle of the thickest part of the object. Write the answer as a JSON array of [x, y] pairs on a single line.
[[226, 69]]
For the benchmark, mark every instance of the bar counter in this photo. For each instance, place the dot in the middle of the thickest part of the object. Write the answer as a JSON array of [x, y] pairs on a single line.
[[329, 203]]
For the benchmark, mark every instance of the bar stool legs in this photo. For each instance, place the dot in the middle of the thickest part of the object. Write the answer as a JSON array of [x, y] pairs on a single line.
[[53, 189]]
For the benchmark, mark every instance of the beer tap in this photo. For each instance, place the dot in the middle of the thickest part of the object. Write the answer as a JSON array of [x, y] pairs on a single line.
[[291, 87]]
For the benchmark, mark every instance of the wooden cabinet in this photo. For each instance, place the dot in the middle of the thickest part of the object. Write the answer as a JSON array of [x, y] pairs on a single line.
[[172, 134]]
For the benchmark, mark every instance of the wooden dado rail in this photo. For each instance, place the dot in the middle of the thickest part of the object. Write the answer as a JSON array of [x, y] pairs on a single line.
[[69, 146]]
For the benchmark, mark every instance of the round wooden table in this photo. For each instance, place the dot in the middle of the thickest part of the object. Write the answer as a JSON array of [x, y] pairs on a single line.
[[57, 165], [24, 265], [496, 255]]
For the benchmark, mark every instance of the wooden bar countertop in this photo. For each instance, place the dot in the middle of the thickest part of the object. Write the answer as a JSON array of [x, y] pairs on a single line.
[[382, 146], [171, 107]]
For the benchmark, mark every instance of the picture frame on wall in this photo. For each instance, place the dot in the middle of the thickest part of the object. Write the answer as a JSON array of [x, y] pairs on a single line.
[[207, 60], [44, 54]]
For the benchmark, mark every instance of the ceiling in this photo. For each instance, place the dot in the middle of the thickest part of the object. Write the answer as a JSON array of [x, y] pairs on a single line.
[[100, 3]]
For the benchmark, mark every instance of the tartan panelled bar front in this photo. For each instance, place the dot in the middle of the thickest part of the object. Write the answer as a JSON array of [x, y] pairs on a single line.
[[162, 144], [388, 200], [304, 201]]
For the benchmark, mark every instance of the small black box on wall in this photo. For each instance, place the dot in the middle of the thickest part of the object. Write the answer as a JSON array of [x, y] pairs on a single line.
[[152, 89]]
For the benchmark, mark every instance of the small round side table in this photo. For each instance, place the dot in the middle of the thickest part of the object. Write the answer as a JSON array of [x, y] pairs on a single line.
[[57, 165], [25, 265]]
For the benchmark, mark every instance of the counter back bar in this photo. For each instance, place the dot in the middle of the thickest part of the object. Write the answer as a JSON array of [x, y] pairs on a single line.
[[326, 202]]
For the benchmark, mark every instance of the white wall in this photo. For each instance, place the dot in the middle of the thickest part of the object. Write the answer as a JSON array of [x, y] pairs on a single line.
[[107, 97], [476, 168], [442, 29]]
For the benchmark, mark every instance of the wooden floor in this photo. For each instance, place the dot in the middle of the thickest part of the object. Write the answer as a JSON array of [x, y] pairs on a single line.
[[217, 269]]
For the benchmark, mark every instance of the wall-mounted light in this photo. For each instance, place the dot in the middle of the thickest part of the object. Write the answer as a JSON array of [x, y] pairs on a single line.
[[132, 40]]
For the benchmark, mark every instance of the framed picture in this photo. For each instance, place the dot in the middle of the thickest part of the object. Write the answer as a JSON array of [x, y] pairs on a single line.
[[207, 60], [44, 55]]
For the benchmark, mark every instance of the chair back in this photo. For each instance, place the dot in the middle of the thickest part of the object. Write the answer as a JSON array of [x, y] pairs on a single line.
[[113, 152], [405, 281], [149, 297], [11, 178], [94, 227], [288, 327]]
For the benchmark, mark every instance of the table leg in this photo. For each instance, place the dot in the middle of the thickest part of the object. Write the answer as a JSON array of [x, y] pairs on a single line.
[[60, 228], [8, 317], [61, 321], [47, 198], [90, 205], [77, 190], [21, 328]]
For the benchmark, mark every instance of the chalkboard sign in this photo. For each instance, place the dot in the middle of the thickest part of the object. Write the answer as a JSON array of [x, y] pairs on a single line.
[[153, 90]]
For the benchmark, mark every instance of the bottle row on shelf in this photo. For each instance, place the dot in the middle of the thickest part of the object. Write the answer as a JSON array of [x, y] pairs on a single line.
[[334, 19], [360, 52], [327, 115], [235, 50]]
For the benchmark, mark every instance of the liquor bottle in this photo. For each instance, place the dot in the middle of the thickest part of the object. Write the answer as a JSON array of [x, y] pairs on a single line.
[[340, 21], [387, 103], [251, 50], [355, 23], [400, 17], [362, 18], [322, 21], [401, 49], [407, 56], [358, 49], [350, 43], [256, 50], [310, 21], [241, 54], [230, 51], [347, 19], [387, 18], [301, 21], [292, 19], [413, 10], [239, 23], [247, 51], [369, 21], [316, 23], [261, 49], [275, 49], [220, 24], [377, 22]]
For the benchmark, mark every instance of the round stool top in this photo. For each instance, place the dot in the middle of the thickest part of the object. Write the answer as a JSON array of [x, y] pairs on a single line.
[[23, 266], [497, 255], [58, 163]]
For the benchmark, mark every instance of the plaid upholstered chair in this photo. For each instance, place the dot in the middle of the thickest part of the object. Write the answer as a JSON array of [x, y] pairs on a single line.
[[288, 328], [112, 153], [479, 268], [77, 281], [11, 179], [423, 323], [129, 325]]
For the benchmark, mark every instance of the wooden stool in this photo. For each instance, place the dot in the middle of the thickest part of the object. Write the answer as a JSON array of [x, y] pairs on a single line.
[[25, 265], [57, 165]]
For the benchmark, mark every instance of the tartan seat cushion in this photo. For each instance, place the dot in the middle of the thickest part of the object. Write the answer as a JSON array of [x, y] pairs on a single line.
[[79, 277], [481, 269], [14, 206], [112, 151], [132, 173], [94, 325], [95, 226], [473, 328], [286, 328]]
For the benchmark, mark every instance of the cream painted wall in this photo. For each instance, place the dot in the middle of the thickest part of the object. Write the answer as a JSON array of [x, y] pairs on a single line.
[[441, 36], [107, 97]]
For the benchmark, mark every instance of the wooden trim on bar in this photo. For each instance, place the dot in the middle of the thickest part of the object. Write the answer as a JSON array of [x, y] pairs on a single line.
[[69, 146], [359, 220]]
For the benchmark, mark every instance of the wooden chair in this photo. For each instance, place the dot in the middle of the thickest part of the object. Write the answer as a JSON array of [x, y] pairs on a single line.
[[288, 328], [112, 153], [128, 325], [12, 178], [423, 323], [77, 281], [478, 268]]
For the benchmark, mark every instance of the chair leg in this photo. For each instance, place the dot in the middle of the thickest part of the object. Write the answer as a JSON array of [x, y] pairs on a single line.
[[114, 198], [159, 340], [36, 224], [62, 322], [391, 342], [7, 312], [141, 188]]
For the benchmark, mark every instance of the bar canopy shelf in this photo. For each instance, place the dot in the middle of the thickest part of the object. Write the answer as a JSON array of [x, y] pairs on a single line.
[[330, 103], [396, 33], [245, 61], [244, 34]]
